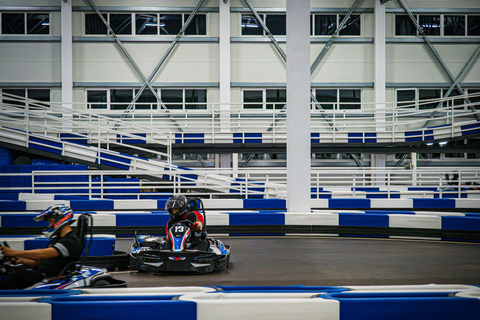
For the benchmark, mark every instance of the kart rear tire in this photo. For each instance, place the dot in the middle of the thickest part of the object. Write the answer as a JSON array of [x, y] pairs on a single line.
[[100, 283], [119, 260]]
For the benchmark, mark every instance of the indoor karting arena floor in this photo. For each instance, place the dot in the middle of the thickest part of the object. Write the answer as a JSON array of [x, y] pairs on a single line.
[[328, 261]]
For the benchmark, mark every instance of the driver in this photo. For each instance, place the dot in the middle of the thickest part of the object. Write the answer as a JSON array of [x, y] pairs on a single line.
[[38, 264], [178, 209]]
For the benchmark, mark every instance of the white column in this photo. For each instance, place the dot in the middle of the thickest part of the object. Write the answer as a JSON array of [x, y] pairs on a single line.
[[298, 106], [379, 83], [224, 67], [67, 59]]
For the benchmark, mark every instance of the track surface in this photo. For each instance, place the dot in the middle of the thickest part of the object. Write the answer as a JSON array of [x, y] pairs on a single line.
[[328, 261]]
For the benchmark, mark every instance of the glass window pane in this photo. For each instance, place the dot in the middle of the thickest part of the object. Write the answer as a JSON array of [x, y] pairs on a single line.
[[97, 99], [196, 95], [250, 26], [13, 23], [38, 23], [121, 23], [430, 24], [277, 24], [173, 98], [277, 96], [147, 99], [456, 101], [146, 24], [428, 94], [40, 95], [170, 23], [476, 97], [350, 98], [325, 25], [120, 98], [351, 27], [326, 97], [253, 99], [454, 25], [15, 92], [406, 98], [404, 26], [198, 26], [94, 25], [473, 25]]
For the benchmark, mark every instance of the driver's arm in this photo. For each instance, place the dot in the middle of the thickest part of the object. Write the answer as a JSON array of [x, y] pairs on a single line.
[[35, 254]]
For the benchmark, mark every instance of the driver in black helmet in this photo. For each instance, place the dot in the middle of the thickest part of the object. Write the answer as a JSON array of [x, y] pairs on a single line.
[[179, 210], [35, 265]]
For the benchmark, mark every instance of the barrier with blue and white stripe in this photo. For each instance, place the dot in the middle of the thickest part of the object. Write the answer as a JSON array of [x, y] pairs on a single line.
[[420, 223], [410, 302], [28, 201]]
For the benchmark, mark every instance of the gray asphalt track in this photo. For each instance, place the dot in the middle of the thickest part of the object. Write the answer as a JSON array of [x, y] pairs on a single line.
[[328, 261]]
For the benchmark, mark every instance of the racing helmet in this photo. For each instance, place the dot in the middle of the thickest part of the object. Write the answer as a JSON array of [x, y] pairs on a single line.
[[177, 201], [63, 216]]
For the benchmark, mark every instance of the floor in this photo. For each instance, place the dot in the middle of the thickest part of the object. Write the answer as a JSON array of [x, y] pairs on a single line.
[[328, 261]]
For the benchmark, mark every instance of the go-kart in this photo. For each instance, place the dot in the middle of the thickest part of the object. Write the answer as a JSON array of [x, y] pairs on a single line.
[[74, 275], [156, 254]]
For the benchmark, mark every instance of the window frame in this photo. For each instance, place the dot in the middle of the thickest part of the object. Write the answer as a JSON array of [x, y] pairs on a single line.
[[26, 91], [416, 105], [337, 23], [264, 16], [264, 101], [133, 24], [25, 25], [337, 105], [442, 25], [154, 105]]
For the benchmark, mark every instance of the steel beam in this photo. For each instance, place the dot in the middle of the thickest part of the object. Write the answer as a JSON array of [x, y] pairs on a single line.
[[284, 58], [462, 73], [165, 56], [334, 36], [431, 48]]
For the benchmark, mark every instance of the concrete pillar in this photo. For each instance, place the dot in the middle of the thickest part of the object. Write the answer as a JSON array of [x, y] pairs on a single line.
[[298, 106], [224, 39], [67, 59], [380, 83]]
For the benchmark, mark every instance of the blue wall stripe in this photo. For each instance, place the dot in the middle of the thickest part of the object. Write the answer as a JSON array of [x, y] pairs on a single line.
[[470, 223], [264, 203], [433, 203], [265, 219], [335, 203], [466, 130], [142, 219], [79, 205], [362, 220]]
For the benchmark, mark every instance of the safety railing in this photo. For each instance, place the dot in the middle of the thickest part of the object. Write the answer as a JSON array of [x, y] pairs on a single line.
[[54, 121], [249, 183], [388, 122]]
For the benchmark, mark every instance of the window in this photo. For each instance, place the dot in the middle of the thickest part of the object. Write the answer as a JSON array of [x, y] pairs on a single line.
[[473, 25], [34, 94], [326, 25], [415, 98], [97, 99], [430, 24], [343, 99], [25, 23], [446, 25], [120, 99], [454, 25], [276, 23], [265, 98], [145, 24]]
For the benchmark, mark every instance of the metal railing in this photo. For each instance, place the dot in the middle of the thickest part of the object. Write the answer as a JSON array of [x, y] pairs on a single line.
[[251, 183]]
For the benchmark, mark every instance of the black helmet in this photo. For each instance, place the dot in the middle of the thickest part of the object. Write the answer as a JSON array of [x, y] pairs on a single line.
[[177, 201]]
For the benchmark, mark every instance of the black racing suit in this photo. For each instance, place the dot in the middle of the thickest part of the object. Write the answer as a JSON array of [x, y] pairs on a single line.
[[70, 250]]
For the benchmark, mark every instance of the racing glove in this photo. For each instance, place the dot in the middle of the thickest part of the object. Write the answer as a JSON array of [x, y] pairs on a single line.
[[197, 225]]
